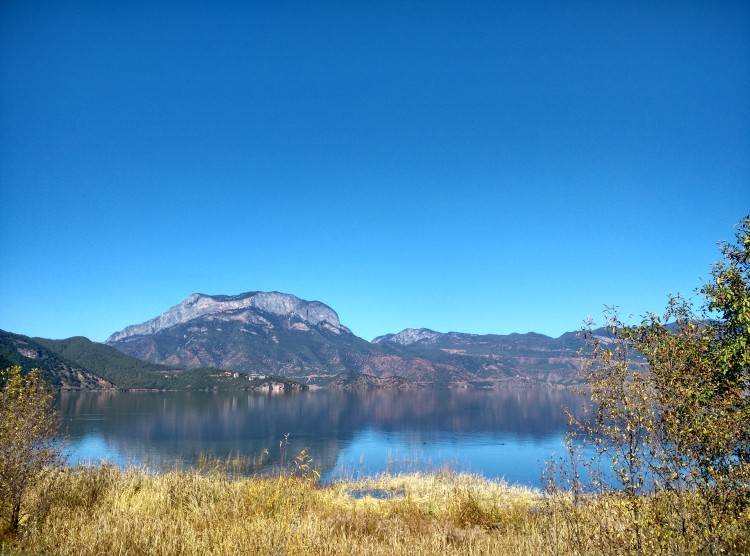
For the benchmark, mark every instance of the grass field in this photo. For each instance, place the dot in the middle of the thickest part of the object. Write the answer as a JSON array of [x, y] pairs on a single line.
[[104, 510]]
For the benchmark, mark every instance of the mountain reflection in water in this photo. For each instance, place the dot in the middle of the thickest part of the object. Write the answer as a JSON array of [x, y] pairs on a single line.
[[507, 433]]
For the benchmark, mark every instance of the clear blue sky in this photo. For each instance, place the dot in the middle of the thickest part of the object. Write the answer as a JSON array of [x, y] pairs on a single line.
[[472, 166]]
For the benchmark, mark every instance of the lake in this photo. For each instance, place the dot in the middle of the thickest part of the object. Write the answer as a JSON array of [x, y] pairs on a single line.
[[507, 433]]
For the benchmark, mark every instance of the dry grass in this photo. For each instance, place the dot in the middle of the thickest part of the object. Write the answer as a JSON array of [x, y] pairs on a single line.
[[109, 511]]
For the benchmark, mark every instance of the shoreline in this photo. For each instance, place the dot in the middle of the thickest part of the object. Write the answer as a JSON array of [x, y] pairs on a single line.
[[488, 386]]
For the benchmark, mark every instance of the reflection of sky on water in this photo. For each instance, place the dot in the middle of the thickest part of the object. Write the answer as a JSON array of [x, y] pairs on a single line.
[[501, 434], [502, 456], [91, 449]]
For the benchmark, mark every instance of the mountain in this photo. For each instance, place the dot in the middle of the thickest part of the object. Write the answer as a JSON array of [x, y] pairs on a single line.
[[128, 372], [256, 332], [58, 371], [120, 369], [247, 307], [486, 356], [264, 332], [79, 364], [279, 333]]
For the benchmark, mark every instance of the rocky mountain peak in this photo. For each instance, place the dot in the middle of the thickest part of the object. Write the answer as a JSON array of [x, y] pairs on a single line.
[[199, 305], [410, 336]]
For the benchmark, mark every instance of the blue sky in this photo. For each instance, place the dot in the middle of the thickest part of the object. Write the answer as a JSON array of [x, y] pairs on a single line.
[[472, 166]]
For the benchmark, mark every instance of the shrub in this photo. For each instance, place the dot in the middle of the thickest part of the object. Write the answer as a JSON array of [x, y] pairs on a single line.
[[27, 429], [672, 418]]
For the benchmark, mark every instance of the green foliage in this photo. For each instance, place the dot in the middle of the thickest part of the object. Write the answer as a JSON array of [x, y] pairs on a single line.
[[27, 427], [128, 372], [16, 349], [120, 369], [728, 296], [676, 434]]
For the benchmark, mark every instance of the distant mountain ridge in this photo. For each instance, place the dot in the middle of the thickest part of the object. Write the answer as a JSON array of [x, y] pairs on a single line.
[[478, 343], [223, 341], [409, 336], [305, 340]]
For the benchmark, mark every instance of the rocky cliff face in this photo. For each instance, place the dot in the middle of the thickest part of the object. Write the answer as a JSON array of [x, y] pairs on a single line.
[[240, 307], [265, 332], [409, 336]]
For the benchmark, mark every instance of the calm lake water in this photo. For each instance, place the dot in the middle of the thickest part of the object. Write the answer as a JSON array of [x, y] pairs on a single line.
[[508, 433]]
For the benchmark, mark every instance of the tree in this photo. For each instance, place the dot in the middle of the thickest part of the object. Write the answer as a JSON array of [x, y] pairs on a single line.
[[27, 429], [672, 419]]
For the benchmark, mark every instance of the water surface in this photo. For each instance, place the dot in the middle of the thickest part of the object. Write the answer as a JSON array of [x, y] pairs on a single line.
[[508, 433]]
